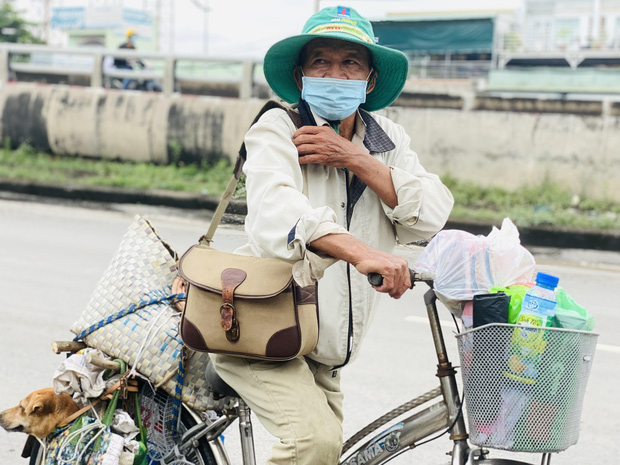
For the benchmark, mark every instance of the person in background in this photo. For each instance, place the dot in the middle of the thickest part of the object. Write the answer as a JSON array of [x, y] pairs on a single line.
[[124, 63], [337, 195]]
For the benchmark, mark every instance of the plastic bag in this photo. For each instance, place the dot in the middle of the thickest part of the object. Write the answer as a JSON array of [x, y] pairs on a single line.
[[465, 265], [516, 293], [570, 315]]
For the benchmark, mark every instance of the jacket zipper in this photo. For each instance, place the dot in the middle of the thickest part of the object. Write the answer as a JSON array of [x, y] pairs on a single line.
[[350, 331]]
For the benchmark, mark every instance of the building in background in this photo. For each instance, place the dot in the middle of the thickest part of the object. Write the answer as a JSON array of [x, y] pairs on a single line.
[[557, 25], [75, 23], [446, 44], [563, 46], [549, 46], [103, 26]]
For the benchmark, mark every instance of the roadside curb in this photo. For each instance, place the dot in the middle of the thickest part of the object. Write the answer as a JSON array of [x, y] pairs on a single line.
[[540, 236]]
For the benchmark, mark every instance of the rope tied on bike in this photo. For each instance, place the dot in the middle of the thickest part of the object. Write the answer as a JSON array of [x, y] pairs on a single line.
[[145, 302]]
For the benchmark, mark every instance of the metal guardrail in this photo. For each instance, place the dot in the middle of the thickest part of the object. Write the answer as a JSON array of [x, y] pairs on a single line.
[[89, 62], [454, 69], [572, 58], [530, 46]]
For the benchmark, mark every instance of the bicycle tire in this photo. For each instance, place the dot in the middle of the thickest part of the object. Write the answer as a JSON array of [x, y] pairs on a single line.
[[202, 450], [36, 454], [200, 455]]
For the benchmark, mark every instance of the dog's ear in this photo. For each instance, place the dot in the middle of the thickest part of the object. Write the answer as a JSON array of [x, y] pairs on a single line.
[[38, 407]]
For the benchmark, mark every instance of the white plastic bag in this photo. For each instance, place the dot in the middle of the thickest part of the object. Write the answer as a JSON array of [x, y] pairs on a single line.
[[465, 265]]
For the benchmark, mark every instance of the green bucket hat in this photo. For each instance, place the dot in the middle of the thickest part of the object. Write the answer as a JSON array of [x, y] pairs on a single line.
[[341, 23]]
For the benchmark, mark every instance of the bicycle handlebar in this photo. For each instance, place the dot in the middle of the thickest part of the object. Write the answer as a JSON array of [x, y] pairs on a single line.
[[376, 280]]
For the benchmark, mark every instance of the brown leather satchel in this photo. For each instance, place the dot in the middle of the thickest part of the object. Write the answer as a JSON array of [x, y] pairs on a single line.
[[245, 306]]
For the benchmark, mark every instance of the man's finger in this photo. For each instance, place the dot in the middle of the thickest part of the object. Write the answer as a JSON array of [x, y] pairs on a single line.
[[303, 139], [310, 159], [306, 149], [310, 130]]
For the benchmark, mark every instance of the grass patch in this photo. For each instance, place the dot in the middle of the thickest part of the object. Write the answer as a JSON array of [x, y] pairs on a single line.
[[25, 164], [547, 204]]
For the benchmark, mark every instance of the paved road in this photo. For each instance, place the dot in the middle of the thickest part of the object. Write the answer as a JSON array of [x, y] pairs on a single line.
[[52, 255]]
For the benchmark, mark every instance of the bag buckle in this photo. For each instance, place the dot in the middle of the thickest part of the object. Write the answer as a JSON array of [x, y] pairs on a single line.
[[233, 333], [229, 321], [123, 387], [231, 279]]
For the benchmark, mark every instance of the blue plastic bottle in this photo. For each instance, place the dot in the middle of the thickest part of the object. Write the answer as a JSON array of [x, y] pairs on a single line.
[[527, 343], [538, 307]]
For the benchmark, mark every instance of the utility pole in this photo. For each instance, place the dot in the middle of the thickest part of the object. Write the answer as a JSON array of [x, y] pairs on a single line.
[[204, 6], [158, 26], [172, 29], [46, 21], [205, 30], [596, 23]]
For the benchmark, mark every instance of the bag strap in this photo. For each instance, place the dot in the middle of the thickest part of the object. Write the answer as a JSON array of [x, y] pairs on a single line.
[[232, 184]]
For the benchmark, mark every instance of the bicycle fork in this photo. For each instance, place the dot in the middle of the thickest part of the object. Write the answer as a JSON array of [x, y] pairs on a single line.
[[246, 434], [447, 379]]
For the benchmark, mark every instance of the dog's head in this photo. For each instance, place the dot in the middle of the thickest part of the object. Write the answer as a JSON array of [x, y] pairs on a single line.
[[39, 413]]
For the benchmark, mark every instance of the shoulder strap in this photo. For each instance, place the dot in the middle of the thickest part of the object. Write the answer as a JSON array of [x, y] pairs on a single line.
[[270, 105], [232, 184]]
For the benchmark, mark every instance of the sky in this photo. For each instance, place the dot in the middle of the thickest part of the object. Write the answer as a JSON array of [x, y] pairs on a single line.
[[247, 28]]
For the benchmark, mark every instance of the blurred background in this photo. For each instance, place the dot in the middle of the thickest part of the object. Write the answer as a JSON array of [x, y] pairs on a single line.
[[444, 39], [508, 94]]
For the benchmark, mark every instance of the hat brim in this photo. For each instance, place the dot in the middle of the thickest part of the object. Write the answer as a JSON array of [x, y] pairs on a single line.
[[391, 66]]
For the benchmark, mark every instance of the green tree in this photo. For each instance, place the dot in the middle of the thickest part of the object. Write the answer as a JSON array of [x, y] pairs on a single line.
[[14, 28]]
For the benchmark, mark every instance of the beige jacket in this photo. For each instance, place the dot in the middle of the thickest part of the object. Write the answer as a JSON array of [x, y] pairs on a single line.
[[290, 206]]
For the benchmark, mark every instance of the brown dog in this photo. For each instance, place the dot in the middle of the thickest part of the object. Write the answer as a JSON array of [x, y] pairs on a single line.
[[39, 413]]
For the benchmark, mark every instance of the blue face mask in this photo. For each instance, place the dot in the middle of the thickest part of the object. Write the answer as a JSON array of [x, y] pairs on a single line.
[[333, 99]]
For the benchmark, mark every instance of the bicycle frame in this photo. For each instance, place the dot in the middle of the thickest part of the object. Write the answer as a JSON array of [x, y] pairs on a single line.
[[439, 416], [444, 415], [382, 447]]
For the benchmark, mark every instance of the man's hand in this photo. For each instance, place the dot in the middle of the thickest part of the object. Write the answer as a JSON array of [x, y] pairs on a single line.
[[394, 269], [322, 145]]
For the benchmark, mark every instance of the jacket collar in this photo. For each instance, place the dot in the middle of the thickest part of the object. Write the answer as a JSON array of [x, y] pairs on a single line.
[[375, 138]]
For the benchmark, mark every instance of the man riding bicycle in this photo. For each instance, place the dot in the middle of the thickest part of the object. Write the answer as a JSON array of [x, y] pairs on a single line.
[[337, 193], [124, 63]]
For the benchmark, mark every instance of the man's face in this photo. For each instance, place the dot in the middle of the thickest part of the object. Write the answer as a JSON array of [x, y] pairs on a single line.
[[339, 59]]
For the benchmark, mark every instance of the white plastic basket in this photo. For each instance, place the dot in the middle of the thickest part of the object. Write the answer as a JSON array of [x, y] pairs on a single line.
[[525, 397]]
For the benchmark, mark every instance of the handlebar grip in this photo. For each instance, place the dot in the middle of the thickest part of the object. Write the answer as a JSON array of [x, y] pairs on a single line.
[[376, 280]]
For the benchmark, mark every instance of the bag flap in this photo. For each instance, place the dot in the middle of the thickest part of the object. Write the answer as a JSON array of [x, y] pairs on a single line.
[[202, 266]]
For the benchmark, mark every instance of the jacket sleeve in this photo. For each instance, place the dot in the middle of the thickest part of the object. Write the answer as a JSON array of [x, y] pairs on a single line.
[[280, 220], [424, 203]]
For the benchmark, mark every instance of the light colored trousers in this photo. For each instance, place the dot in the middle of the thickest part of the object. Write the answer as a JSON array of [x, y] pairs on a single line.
[[298, 401]]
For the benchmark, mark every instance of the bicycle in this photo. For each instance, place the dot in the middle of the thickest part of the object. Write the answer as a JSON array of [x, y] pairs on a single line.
[[199, 438]]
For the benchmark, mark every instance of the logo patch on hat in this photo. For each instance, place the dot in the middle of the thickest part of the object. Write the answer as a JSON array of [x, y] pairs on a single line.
[[344, 12]]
